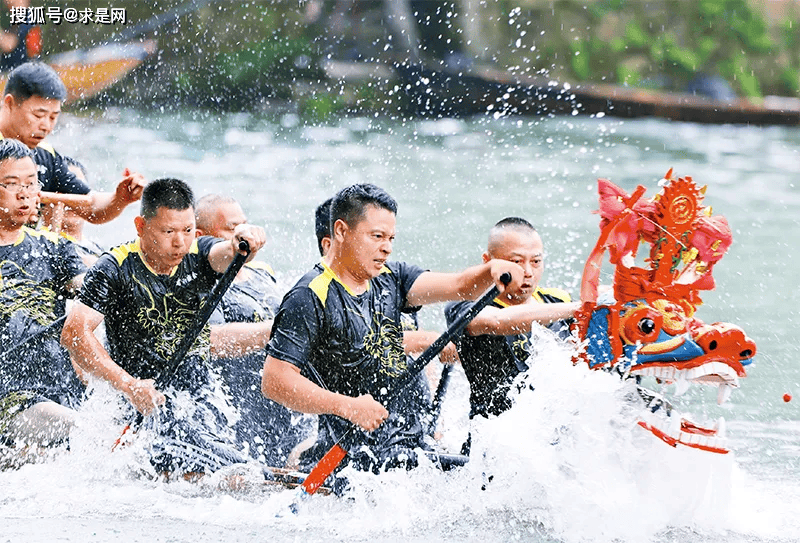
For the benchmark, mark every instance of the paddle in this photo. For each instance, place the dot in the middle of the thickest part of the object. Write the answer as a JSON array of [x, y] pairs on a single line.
[[211, 302], [336, 454], [438, 397]]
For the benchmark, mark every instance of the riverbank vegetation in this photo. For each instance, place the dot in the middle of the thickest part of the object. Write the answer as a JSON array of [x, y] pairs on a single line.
[[234, 54]]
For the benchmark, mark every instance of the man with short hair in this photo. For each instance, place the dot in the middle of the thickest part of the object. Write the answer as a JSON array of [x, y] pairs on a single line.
[[415, 341], [497, 342], [37, 271], [149, 292], [240, 330], [31, 105], [337, 338]]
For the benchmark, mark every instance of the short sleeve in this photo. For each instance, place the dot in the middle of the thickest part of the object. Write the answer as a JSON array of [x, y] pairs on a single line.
[[297, 327], [98, 287], [55, 175], [204, 245], [407, 274], [69, 263]]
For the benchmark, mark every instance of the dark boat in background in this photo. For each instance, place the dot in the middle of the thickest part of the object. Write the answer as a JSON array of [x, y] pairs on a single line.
[[486, 90]]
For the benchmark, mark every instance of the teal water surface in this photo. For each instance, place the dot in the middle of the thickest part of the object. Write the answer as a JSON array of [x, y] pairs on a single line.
[[454, 178]]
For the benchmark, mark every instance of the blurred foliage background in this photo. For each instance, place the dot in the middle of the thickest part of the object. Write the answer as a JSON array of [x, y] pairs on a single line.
[[230, 53]]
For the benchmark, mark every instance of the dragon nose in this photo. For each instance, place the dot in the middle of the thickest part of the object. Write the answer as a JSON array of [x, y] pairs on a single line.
[[727, 341]]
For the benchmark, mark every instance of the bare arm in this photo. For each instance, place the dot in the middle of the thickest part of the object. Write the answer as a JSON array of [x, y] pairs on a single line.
[[416, 341], [101, 207], [432, 287], [283, 383], [222, 253], [517, 319], [89, 355], [239, 338]]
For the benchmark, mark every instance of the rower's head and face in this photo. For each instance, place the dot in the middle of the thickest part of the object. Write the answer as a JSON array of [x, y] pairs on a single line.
[[19, 185], [31, 103], [218, 216], [166, 225], [322, 225], [516, 240], [363, 228]]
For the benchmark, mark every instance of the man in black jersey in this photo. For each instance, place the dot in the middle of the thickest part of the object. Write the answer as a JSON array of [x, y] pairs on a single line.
[[31, 105], [37, 271], [337, 338], [415, 341], [149, 292], [496, 343]]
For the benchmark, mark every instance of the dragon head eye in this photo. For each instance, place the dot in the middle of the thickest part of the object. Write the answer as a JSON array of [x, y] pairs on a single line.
[[642, 324], [646, 326]]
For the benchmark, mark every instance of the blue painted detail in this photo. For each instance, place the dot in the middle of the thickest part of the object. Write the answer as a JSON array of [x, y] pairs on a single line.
[[599, 347]]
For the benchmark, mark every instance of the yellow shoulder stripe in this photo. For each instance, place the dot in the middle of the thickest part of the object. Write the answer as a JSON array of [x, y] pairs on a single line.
[[258, 265], [121, 252], [555, 292], [320, 284], [47, 147], [47, 234]]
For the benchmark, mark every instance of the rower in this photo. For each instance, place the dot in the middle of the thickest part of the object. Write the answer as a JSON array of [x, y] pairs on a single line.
[[38, 388], [31, 105], [148, 292], [497, 342], [240, 330], [415, 341], [337, 338]]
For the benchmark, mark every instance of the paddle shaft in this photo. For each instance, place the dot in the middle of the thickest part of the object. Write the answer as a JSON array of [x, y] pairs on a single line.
[[208, 307], [337, 453], [438, 397]]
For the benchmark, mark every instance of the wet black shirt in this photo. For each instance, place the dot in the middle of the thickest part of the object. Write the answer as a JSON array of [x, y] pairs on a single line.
[[350, 344], [147, 314], [34, 273], [492, 362], [54, 174]]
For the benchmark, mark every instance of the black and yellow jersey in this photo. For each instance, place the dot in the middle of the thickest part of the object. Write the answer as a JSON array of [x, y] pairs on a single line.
[[492, 362], [349, 343], [147, 314], [34, 273]]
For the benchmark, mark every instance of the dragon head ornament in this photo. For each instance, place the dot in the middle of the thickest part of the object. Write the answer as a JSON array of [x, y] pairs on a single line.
[[649, 329]]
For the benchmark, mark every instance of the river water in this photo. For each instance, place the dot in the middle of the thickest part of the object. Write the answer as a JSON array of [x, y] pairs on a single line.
[[567, 463]]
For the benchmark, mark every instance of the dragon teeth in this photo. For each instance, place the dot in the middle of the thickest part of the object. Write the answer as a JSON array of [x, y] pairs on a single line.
[[672, 428], [724, 393], [722, 430], [681, 385]]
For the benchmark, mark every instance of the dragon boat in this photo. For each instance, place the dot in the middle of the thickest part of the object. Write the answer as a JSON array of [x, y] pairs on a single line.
[[649, 328]]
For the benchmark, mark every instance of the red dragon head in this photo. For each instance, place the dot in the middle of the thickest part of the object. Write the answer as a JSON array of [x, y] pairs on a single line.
[[649, 328]]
